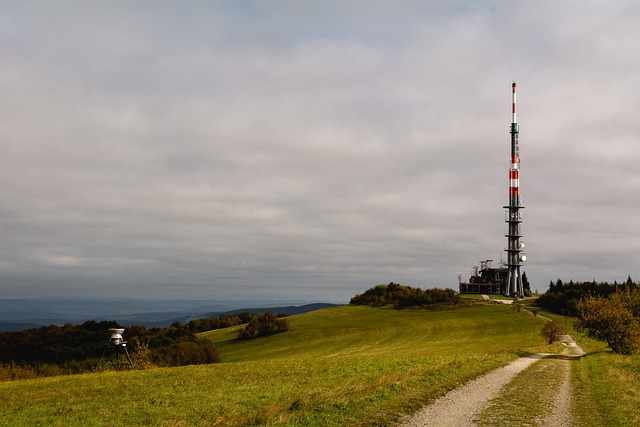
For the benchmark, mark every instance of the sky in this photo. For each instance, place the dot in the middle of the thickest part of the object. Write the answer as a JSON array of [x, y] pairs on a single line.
[[311, 149]]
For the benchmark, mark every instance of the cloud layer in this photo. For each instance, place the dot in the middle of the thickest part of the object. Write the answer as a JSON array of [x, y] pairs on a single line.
[[311, 150]]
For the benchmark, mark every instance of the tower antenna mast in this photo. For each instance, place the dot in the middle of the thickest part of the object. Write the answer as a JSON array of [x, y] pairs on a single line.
[[515, 255]]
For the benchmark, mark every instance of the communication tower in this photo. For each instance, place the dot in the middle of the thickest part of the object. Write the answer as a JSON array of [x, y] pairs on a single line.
[[515, 246], [506, 279]]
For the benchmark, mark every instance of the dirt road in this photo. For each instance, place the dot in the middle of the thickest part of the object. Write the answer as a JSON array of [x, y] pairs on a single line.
[[485, 401]]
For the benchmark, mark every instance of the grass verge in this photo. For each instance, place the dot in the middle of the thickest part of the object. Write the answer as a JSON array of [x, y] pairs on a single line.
[[606, 386], [607, 389]]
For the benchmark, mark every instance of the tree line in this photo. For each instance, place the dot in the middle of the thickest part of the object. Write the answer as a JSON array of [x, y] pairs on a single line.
[[71, 349], [258, 325], [401, 296], [222, 321], [563, 298]]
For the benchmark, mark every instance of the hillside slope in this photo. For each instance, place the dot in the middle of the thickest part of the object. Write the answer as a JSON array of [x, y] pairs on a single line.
[[340, 366], [368, 331]]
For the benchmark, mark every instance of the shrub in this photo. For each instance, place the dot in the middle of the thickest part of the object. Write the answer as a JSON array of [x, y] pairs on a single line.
[[262, 325], [615, 319], [197, 352], [551, 331], [141, 356]]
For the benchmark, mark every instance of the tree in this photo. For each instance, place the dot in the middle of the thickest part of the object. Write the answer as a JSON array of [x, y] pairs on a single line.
[[555, 287], [614, 319], [629, 283], [525, 285]]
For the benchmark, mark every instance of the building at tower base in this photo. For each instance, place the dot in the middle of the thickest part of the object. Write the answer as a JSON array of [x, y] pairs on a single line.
[[486, 279]]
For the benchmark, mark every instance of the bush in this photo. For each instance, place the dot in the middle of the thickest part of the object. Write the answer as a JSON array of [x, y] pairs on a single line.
[[197, 352], [263, 325], [141, 356], [551, 331], [615, 319]]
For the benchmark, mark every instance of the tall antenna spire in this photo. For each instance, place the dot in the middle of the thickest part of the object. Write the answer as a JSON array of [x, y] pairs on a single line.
[[513, 109]]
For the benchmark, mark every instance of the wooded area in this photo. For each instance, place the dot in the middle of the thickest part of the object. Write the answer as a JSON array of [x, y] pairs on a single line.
[[405, 296], [71, 349]]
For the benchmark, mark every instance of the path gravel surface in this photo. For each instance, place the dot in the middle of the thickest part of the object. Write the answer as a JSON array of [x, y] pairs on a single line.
[[561, 415], [458, 407]]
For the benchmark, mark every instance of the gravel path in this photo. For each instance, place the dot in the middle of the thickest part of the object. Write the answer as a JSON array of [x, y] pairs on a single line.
[[561, 415], [456, 408]]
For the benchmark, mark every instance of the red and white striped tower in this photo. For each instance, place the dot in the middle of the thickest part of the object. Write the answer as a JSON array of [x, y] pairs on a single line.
[[514, 171], [515, 256]]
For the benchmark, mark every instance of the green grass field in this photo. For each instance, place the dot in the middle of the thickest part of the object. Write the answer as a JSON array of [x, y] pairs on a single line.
[[348, 365]]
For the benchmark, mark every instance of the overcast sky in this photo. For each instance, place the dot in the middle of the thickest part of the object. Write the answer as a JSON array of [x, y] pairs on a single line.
[[311, 149]]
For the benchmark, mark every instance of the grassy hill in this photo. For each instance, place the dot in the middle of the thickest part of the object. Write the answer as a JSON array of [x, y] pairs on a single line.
[[348, 365]]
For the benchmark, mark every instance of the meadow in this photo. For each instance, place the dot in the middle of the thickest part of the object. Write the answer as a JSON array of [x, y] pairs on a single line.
[[348, 365]]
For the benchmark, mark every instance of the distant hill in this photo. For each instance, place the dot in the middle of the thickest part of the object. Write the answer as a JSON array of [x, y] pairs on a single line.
[[20, 314], [288, 310], [13, 327]]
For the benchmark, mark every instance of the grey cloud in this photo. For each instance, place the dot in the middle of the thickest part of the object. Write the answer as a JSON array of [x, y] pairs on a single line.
[[220, 149]]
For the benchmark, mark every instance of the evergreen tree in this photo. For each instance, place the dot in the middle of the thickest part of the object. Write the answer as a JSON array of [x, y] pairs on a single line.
[[525, 285]]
